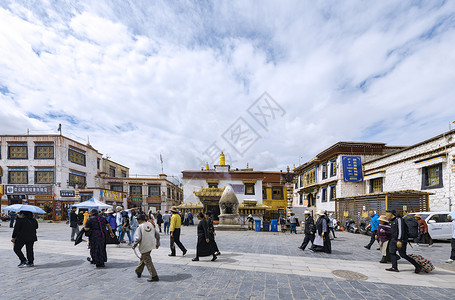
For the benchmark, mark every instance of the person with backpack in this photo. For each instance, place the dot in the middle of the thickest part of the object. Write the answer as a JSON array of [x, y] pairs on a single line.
[[398, 241], [423, 235], [374, 223], [125, 227]]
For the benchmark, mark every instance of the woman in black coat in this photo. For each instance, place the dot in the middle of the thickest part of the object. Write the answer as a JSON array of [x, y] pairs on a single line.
[[24, 234], [204, 246]]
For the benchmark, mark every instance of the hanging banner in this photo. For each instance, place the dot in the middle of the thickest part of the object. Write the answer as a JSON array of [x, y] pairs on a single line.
[[352, 169]]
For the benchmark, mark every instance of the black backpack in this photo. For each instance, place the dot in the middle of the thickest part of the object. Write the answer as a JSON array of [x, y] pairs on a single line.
[[412, 227]]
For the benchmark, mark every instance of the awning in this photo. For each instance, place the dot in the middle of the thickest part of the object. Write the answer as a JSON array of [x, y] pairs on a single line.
[[431, 161], [374, 175]]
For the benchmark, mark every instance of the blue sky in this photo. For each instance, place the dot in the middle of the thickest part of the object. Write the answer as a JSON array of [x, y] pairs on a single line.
[[140, 78]]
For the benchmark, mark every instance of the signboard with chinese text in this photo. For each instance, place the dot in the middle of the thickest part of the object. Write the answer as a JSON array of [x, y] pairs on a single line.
[[352, 169], [67, 193], [29, 189], [107, 195]]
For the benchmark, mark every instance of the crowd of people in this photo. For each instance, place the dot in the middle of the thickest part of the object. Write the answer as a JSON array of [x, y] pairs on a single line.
[[143, 231]]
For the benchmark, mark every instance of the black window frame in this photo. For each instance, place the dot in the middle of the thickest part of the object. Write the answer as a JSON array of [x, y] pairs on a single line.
[[12, 170], [114, 187], [43, 144], [332, 192], [282, 193], [333, 167], [112, 171], [425, 177], [324, 194], [8, 154], [149, 189], [135, 186], [74, 149], [249, 185], [372, 181], [44, 169], [324, 171], [213, 185]]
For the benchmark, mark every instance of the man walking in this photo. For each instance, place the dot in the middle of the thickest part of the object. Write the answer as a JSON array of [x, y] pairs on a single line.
[[309, 231], [159, 219], [73, 223], [293, 222], [12, 216], [374, 223], [176, 224], [166, 222], [399, 241], [146, 239]]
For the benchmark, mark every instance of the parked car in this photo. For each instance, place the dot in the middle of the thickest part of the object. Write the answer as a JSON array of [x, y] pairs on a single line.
[[439, 226]]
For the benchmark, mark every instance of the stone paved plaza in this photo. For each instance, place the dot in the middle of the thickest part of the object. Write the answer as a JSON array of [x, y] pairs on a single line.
[[253, 265]]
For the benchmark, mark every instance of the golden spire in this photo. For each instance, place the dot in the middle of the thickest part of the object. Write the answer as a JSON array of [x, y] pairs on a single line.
[[247, 165], [207, 166], [222, 159]]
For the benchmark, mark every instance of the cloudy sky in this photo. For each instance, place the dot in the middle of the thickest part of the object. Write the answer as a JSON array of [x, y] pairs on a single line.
[[271, 83]]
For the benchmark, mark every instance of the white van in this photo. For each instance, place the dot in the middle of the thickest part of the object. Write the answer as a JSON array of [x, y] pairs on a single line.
[[439, 226]]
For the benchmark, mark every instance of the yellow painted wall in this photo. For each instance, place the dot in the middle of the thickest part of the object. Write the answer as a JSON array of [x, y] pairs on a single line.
[[275, 204]]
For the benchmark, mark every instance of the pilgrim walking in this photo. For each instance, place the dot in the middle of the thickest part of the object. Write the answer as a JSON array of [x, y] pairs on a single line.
[[73, 223], [322, 240], [24, 234], [309, 230], [96, 228], [146, 238], [204, 246]]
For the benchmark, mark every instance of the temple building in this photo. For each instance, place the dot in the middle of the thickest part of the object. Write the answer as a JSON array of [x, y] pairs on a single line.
[[260, 193]]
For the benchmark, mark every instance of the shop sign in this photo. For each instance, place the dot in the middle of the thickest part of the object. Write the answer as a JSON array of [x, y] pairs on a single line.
[[67, 193], [352, 169], [29, 189], [111, 196], [137, 199]]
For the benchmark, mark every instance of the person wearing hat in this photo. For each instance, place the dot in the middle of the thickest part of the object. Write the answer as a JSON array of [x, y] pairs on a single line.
[[321, 240], [424, 237], [146, 238], [309, 230], [96, 227], [398, 241], [176, 224], [383, 236], [111, 219], [73, 223]]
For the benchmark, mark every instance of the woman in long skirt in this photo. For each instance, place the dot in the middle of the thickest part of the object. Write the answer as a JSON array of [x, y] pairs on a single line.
[[322, 240], [204, 246], [96, 225]]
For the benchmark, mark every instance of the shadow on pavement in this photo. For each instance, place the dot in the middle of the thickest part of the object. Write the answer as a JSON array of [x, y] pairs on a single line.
[[119, 265], [61, 264], [175, 278]]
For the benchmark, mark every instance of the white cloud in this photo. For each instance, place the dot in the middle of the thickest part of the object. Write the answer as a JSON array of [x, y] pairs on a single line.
[[143, 78]]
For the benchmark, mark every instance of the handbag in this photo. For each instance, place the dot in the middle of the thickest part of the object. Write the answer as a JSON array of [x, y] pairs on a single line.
[[318, 240]]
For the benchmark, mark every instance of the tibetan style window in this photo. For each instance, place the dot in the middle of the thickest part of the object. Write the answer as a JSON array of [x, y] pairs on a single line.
[[309, 177], [324, 171], [213, 185], [111, 171], [17, 175], [333, 167], [44, 150], [17, 151], [117, 187], [76, 156], [277, 193], [135, 189], [44, 175], [249, 188], [123, 174], [376, 185], [264, 193], [324, 195], [98, 161], [432, 177], [154, 190], [333, 192], [77, 178]]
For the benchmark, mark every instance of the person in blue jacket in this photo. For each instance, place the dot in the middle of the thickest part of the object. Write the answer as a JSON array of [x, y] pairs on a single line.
[[374, 223]]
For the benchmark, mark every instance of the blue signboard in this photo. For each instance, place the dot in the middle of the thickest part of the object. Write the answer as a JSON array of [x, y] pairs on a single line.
[[352, 169]]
